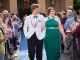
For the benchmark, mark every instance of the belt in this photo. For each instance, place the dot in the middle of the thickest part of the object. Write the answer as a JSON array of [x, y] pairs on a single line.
[[53, 28]]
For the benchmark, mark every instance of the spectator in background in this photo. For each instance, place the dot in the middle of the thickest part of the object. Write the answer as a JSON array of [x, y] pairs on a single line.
[[2, 39], [71, 8], [63, 14], [70, 19], [5, 13], [59, 15], [15, 24], [76, 33], [9, 35], [43, 14]]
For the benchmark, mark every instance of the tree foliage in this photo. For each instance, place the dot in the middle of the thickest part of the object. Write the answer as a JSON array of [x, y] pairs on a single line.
[[76, 4]]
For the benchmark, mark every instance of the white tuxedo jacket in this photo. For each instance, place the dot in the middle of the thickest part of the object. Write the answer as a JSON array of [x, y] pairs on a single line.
[[29, 28]]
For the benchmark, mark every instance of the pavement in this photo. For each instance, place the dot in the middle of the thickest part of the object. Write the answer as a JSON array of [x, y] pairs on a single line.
[[22, 52], [65, 57], [24, 56]]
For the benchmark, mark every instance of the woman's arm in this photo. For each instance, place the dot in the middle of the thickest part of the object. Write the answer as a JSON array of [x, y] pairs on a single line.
[[25, 27], [2, 38], [60, 27]]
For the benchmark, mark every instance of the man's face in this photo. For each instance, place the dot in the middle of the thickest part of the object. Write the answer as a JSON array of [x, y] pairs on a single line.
[[36, 11]]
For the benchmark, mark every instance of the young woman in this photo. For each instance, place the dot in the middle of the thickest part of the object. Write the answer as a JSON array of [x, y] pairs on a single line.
[[9, 35], [2, 39], [52, 35]]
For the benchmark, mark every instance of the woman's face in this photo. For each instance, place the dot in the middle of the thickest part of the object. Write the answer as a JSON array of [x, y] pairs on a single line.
[[52, 13], [6, 20]]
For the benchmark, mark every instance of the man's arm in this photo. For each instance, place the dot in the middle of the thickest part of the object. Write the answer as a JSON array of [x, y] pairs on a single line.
[[25, 28]]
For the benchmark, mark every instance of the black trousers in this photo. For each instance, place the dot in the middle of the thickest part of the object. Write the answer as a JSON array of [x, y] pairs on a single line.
[[14, 42], [35, 46]]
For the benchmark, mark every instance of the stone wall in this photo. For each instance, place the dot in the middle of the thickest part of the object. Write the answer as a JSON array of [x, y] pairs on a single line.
[[59, 4], [68, 3], [11, 5]]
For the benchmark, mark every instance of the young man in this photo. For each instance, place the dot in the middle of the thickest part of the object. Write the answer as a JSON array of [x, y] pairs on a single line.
[[34, 32]]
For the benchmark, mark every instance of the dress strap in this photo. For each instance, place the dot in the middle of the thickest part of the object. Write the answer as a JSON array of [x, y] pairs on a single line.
[[50, 18]]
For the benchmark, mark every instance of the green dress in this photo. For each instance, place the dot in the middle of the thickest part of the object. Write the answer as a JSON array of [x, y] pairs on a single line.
[[52, 40]]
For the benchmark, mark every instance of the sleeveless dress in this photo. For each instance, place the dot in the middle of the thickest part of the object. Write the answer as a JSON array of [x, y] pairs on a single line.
[[52, 40]]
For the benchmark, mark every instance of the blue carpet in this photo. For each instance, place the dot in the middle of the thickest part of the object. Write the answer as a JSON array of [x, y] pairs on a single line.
[[23, 42], [23, 55], [23, 50]]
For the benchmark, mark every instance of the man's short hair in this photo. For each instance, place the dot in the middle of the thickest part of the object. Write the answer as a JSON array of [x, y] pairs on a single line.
[[34, 6]]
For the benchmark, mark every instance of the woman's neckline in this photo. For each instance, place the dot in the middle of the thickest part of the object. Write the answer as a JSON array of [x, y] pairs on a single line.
[[49, 17]]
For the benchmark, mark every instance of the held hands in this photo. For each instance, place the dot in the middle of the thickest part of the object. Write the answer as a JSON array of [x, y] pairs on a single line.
[[64, 37], [43, 28]]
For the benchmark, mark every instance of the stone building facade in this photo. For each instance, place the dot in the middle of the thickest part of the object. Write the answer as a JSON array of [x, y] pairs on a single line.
[[12, 5]]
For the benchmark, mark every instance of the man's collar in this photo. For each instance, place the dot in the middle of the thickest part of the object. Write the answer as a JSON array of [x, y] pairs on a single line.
[[34, 16]]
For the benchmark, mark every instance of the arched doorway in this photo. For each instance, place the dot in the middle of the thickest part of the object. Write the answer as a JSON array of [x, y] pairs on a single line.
[[1, 5], [25, 3], [4, 5], [24, 7]]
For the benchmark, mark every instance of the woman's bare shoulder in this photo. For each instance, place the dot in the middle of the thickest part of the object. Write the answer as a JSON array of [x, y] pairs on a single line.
[[57, 18], [45, 19]]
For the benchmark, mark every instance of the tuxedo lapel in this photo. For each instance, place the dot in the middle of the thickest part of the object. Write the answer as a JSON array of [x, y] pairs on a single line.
[[31, 26]]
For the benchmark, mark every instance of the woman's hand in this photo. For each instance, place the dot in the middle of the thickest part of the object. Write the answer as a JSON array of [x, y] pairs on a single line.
[[64, 37], [3, 38], [43, 28]]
